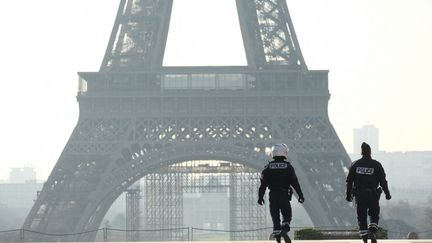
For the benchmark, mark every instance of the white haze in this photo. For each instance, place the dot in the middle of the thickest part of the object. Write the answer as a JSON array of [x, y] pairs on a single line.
[[378, 54]]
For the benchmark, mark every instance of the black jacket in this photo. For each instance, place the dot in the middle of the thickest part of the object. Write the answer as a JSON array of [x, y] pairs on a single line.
[[366, 173], [279, 174]]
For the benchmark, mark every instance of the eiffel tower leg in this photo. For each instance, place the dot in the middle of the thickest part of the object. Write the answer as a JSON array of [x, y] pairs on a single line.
[[73, 197], [320, 162]]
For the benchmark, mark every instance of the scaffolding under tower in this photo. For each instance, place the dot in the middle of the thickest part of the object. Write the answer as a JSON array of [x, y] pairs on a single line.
[[132, 213], [165, 189]]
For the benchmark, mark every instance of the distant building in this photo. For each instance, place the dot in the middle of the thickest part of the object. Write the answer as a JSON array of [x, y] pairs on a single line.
[[368, 134], [19, 195], [22, 175], [21, 189]]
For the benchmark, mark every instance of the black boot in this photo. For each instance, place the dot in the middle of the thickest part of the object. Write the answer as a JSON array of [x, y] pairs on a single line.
[[373, 228], [373, 238], [276, 235], [285, 229], [286, 238], [278, 239], [365, 238]]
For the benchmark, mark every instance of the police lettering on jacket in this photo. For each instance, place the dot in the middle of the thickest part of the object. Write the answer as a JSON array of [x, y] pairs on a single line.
[[279, 174], [367, 173]]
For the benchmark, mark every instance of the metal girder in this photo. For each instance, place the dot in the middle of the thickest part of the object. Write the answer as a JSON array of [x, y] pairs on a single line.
[[163, 207], [268, 35], [139, 36], [245, 214], [140, 31], [132, 213]]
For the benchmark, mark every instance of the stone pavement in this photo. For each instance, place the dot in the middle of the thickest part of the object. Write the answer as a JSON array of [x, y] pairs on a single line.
[[310, 241], [316, 241], [299, 241]]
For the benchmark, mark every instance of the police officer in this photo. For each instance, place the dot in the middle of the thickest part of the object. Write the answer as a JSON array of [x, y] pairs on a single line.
[[365, 181], [279, 176]]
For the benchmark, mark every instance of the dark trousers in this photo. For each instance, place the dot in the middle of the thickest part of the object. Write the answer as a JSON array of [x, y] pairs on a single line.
[[367, 204], [280, 203]]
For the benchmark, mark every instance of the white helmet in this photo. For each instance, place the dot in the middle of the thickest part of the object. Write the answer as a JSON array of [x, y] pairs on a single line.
[[280, 150]]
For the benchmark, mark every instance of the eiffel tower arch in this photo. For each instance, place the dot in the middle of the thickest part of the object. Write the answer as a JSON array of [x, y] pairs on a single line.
[[137, 116]]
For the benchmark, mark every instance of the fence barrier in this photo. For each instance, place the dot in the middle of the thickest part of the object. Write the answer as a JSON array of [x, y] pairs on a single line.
[[174, 234]]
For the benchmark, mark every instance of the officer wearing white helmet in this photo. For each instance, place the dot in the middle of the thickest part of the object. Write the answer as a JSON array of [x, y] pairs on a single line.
[[279, 176]]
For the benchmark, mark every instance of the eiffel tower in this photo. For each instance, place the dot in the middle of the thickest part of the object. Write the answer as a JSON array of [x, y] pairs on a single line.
[[137, 116]]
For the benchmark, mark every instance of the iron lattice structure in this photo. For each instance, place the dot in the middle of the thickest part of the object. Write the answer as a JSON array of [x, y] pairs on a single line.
[[137, 117], [132, 213], [163, 207], [165, 189], [245, 214]]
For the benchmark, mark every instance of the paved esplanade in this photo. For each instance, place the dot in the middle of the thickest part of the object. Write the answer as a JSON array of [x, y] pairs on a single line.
[[295, 241]]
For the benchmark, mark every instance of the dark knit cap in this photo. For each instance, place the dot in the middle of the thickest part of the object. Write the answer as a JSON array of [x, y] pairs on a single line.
[[365, 149]]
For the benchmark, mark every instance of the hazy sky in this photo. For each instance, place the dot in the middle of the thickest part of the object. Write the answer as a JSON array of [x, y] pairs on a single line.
[[378, 53]]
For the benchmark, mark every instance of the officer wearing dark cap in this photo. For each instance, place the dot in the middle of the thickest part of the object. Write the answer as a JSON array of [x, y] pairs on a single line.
[[365, 181]]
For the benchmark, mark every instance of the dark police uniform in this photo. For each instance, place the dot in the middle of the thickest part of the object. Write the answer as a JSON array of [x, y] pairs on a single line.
[[363, 181], [278, 176]]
